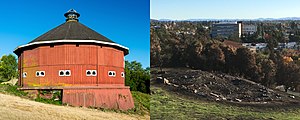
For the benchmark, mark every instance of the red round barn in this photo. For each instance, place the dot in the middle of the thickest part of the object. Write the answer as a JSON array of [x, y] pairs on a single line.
[[86, 66]]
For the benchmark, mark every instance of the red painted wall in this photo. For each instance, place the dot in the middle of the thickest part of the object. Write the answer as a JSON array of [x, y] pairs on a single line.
[[70, 57], [116, 98]]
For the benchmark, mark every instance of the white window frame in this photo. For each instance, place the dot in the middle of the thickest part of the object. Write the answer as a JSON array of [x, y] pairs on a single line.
[[24, 75], [69, 72], [113, 73], [41, 74], [36, 73], [122, 74], [88, 71], [91, 71], [61, 71], [95, 72]]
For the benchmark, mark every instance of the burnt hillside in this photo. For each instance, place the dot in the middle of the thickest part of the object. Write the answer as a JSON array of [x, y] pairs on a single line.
[[188, 44], [222, 87]]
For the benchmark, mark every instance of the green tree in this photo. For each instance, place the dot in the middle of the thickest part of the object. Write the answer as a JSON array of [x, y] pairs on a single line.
[[8, 67], [293, 25], [136, 77]]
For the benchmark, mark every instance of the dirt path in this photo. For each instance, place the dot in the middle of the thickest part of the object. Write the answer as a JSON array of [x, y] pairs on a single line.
[[16, 108]]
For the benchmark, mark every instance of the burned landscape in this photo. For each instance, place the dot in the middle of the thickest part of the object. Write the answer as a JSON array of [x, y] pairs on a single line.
[[222, 87], [196, 76]]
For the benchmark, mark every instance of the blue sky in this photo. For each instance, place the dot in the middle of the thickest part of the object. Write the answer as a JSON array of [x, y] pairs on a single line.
[[126, 22], [223, 9]]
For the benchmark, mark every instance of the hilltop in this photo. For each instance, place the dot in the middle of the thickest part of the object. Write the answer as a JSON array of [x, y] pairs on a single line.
[[208, 94], [224, 88], [13, 108], [15, 104]]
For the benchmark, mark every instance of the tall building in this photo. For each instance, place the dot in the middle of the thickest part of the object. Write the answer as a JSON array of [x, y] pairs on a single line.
[[226, 29], [249, 29]]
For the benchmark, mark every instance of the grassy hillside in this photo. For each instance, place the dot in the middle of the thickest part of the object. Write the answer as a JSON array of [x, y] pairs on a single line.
[[141, 100], [170, 105], [17, 108]]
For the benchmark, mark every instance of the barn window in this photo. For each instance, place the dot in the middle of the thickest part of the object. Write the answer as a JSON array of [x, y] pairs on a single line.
[[77, 45], [24, 74], [42, 73], [51, 46], [94, 72], [37, 73], [67, 72], [91, 72], [111, 73], [61, 73], [88, 73], [122, 74]]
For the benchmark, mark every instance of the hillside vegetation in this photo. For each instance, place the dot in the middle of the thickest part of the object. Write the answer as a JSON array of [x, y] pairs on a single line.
[[212, 80], [188, 44], [166, 104], [16, 108], [21, 106]]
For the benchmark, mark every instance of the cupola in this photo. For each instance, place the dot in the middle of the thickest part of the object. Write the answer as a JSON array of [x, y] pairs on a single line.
[[71, 15]]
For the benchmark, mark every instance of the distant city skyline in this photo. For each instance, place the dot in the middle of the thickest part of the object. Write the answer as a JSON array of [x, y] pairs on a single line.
[[223, 9]]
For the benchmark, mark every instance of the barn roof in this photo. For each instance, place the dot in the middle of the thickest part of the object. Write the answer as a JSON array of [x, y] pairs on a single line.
[[71, 31]]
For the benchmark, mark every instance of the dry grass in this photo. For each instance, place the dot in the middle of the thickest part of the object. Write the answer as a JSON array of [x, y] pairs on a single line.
[[16, 108]]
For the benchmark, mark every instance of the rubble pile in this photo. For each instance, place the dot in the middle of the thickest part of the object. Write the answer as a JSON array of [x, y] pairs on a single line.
[[223, 87]]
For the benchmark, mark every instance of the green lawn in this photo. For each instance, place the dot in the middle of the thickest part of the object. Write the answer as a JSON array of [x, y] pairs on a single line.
[[166, 105]]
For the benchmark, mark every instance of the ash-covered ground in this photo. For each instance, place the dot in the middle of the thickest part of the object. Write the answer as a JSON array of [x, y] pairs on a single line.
[[221, 87]]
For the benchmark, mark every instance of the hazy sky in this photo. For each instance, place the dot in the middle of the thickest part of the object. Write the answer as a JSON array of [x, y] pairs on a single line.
[[219, 9], [126, 22]]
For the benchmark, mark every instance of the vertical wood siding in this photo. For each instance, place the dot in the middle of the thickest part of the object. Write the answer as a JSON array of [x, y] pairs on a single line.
[[70, 57], [118, 98]]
